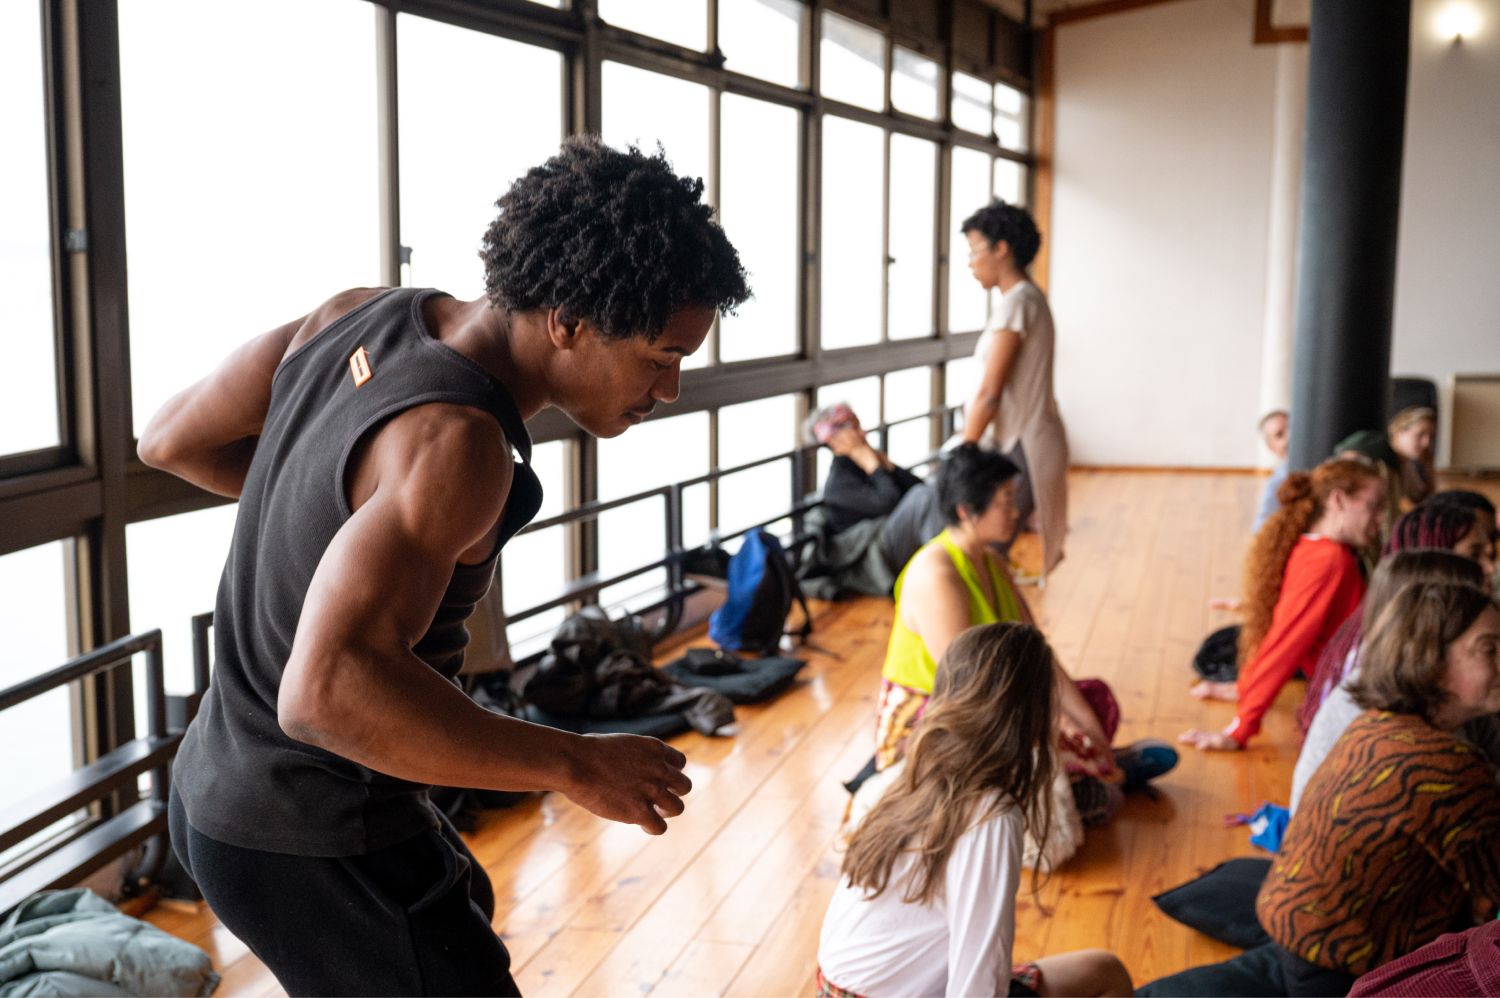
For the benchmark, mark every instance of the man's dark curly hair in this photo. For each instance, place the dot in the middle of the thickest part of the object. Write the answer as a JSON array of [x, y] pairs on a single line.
[[611, 236], [999, 220]]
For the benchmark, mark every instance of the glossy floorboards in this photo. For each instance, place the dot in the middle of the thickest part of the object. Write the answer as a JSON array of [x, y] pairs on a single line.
[[729, 901]]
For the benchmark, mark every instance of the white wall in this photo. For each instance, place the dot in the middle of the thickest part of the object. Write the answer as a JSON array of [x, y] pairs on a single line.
[[1448, 268], [1159, 228], [1160, 224]]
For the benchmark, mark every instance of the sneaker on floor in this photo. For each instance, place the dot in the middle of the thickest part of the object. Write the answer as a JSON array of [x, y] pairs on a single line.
[[1144, 761]]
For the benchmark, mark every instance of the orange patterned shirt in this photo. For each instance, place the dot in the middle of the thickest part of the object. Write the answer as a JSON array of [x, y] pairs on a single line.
[[1396, 842]]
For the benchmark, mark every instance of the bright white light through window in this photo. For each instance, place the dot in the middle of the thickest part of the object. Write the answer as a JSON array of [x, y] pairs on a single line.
[[850, 261], [28, 382], [763, 38], [913, 210], [852, 62]]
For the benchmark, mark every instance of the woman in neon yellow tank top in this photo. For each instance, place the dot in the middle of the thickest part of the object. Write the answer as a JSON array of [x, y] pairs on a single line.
[[956, 582]]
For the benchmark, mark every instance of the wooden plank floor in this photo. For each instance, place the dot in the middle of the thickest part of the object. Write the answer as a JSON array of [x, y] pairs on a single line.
[[730, 900]]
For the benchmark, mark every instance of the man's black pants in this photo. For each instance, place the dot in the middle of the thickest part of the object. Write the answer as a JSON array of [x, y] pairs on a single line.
[[411, 919]]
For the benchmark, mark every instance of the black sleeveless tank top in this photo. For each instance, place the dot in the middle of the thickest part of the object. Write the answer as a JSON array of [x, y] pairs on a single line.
[[241, 779]]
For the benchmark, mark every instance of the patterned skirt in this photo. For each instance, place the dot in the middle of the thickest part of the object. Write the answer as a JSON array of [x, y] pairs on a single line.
[[901, 708]]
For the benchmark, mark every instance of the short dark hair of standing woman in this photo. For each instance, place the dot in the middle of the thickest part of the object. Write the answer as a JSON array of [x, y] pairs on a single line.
[[1000, 221]]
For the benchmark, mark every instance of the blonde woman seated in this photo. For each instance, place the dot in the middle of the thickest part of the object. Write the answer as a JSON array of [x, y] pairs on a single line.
[[1412, 432], [927, 901]]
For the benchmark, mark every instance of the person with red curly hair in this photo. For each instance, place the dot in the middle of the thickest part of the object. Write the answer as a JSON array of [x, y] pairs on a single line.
[[1302, 580]]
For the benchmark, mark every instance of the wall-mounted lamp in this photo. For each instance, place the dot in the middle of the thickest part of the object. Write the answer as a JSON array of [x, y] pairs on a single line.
[[1458, 21]]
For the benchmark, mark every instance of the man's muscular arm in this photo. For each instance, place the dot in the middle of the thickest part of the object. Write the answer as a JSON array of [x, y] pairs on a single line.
[[206, 433], [353, 686]]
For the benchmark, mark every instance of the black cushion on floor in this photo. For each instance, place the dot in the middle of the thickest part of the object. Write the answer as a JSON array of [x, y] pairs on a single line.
[[1256, 973], [762, 678], [652, 725], [1221, 903]]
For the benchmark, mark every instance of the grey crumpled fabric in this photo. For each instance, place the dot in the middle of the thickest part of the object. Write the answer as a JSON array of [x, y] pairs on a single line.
[[74, 942]]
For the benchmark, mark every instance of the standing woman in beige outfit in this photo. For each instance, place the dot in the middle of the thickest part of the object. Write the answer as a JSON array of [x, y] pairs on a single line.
[[1013, 406]]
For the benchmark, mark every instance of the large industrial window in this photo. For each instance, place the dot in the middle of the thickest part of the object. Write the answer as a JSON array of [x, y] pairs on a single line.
[[913, 210], [28, 377], [36, 737], [764, 38], [970, 192], [758, 208], [250, 174], [851, 259], [451, 172]]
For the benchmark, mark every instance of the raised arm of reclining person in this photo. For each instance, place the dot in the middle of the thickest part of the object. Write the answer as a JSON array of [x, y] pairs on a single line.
[[353, 685]]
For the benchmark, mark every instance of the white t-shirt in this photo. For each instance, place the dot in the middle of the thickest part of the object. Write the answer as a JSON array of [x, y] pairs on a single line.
[[1334, 714], [960, 944]]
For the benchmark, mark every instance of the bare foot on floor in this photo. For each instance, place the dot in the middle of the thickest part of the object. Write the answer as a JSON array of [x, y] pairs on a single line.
[[1208, 690]]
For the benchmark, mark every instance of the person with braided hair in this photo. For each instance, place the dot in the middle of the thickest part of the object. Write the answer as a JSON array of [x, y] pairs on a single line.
[[1439, 525], [1302, 579]]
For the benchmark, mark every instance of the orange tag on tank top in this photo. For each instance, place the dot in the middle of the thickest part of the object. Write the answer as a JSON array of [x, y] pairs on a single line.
[[360, 365]]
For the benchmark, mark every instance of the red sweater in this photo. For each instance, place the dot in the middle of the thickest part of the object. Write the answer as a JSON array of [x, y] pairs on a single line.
[[1322, 585]]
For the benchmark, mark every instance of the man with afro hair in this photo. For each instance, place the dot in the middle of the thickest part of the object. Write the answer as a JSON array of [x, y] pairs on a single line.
[[378, 450]]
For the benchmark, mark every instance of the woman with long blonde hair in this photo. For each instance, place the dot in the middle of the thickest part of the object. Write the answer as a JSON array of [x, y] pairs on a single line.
[[1302, 580], [927, 902]]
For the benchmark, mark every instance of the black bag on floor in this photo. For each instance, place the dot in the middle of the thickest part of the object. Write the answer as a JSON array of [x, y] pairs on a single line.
[[1217, 659], [762, 590]]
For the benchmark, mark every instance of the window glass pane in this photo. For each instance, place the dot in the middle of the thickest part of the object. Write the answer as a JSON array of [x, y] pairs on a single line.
[[907, 393], [36, 739], [451, 172], [962, 377], [303, 226], [971, 103], [632, 536], [763, 38], [913, 216], [914, 84], [1010, 181], [175, 565], [853, 188], [534, 566], [852, 62], [533, 569], [753, 430], [28, 378], [909, 442], [682, 22], [971, 191], [753, 496], [1010, 117], [658, 452], [758, 209]]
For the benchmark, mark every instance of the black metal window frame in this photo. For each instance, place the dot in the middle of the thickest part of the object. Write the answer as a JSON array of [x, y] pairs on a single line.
[[86, 490]]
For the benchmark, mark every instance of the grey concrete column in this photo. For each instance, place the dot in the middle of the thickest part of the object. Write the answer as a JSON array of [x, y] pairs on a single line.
[[1351, 189]]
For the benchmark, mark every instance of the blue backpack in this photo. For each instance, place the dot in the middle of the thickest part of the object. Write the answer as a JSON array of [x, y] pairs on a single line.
[[762, 589]]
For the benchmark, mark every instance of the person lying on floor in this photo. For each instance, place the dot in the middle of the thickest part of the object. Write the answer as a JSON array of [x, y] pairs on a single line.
[[860, 495], [1302, 580], [957, 581], [1394, 843], [1339, 710], [927, 900], [862, 483], [1444, 526]]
